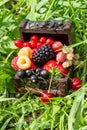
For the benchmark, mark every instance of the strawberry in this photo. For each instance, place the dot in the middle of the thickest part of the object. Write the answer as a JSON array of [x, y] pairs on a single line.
[[50, 64], [62, 69], [14, 63]]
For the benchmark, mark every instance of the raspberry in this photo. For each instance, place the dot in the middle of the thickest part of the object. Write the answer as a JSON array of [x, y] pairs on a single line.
[[14, 63], [24, 62], [27, 51]]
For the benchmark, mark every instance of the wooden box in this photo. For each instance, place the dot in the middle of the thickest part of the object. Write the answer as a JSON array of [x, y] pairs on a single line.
[[61, 31]]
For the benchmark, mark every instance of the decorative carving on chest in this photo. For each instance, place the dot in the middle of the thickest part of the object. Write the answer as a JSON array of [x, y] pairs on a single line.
[[47, 25]]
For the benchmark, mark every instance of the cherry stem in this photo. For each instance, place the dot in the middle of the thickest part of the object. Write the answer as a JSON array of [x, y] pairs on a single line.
[[50, 81]]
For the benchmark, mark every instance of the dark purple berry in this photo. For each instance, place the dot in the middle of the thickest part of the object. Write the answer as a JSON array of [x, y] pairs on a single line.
[[20, 73], [38, 70], [28, 72], [44, 74], [34, 78]]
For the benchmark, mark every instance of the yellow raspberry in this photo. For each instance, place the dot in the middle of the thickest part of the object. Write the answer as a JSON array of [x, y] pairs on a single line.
[[27, 51], [24, 62]]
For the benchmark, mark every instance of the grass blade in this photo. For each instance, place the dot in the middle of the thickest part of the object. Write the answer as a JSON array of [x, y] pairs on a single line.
[[20, 123], [5, 124]]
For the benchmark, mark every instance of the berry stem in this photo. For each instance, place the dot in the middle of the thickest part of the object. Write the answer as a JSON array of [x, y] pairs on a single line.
[[50, 81]]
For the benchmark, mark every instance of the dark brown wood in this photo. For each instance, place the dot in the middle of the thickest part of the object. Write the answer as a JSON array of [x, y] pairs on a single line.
[[62, 31]]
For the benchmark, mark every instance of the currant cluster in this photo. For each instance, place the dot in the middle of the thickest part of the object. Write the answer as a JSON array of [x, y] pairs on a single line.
[[37, 75]]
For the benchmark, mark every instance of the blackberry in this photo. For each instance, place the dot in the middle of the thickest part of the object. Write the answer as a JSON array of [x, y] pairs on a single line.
[[43, 54]]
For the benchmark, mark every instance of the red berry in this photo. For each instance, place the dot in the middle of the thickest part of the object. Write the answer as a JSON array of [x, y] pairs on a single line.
[[33, 44], [50, 64], [49, 41], [46, 96], [26, 44], [62, 69], [33, 65], [34, 38], [39, 44], [14, 63], [43, 39], [57, 45], [76, 83], [61, 57], [18, 43]]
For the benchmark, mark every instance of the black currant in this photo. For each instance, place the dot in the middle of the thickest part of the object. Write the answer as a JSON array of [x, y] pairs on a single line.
[[28, 72], [20, 73], [34, 79], [38, 70], [44, 74]]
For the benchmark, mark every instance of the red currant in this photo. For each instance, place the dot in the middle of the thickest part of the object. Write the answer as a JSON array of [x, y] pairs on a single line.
[[39, 44], [76, 83], [33, 44], [46, 96], [43, 39], [34, 38], [49, 41], [26, 44], [18, 43]]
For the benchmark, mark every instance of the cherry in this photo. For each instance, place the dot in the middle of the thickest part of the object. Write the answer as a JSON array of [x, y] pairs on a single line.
[[43, 39], [57, 45], [46, 96], [49, 41], [39, 44], [34, 38], [76, 83], [18, 43], [33, 44]]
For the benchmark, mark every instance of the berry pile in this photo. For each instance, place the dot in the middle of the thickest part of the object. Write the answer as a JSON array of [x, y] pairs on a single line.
[[36, 76], [38, 56]]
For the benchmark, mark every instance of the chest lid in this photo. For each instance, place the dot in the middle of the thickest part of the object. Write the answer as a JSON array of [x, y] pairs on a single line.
[[61, 31]]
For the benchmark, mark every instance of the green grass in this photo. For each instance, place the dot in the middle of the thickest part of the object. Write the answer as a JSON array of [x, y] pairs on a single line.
[[27, 112]]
